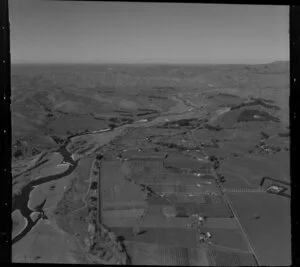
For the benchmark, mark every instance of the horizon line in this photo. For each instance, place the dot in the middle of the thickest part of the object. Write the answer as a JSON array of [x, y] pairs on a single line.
[[140, 63]]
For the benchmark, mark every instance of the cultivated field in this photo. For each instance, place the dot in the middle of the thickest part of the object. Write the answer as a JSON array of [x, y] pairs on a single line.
[[150, 164]]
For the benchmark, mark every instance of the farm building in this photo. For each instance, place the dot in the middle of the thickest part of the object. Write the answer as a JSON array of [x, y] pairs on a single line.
[[276, 186]]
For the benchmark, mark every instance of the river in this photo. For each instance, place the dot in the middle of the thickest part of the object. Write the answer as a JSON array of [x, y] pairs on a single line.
[[20, 202]]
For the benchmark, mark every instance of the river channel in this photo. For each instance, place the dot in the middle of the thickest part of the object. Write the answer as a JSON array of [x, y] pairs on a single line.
[[20, 202]]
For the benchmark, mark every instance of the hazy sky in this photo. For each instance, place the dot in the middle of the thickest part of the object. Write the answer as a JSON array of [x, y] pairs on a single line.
[[54, 31]]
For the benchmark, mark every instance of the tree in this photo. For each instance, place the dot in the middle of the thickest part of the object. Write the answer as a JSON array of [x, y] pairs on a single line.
[[264, 135], [94, 185], [17, 153], [112, 125], [97, 164], [93, 199], [99, 157]]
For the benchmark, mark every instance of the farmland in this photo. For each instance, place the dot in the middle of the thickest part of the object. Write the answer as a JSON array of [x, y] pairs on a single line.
[[154, 172], [223, 257], [274, 243]]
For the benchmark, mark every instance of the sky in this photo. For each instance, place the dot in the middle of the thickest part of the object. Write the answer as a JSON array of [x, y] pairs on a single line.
[[124, 32]]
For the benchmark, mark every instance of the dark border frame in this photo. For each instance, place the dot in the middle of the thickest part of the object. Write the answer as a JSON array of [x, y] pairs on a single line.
[[5, 135], [5, 115]]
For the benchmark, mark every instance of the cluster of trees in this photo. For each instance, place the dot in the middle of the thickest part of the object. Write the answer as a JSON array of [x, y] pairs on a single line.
[[264, 135], [57, 139], [190, 123], [212, 127], [216, 166], [215, 161], [256, 102], [17, 153]]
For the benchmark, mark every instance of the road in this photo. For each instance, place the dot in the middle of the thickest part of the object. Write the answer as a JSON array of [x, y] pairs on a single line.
[[226, 198], [108, 135], [242, 229]]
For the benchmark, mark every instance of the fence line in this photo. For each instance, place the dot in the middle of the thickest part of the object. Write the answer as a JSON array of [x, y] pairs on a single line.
[[244, 190]]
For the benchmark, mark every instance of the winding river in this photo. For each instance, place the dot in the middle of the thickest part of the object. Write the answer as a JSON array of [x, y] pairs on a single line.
[[20, 202]]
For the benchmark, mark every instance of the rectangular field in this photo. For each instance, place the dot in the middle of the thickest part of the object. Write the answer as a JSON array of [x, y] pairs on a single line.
[[221, 257], [121, 205], [143, 154], [155, 218], [186, 163], [185, 198], [220, 210], [169, 176], [248, 171], [83, 169], [216, 210], [230, 238], [162, 236], [111, 174], [270, 234], [199, 188], [122, 218], [123, 193], [222, 223], [154, 254]]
